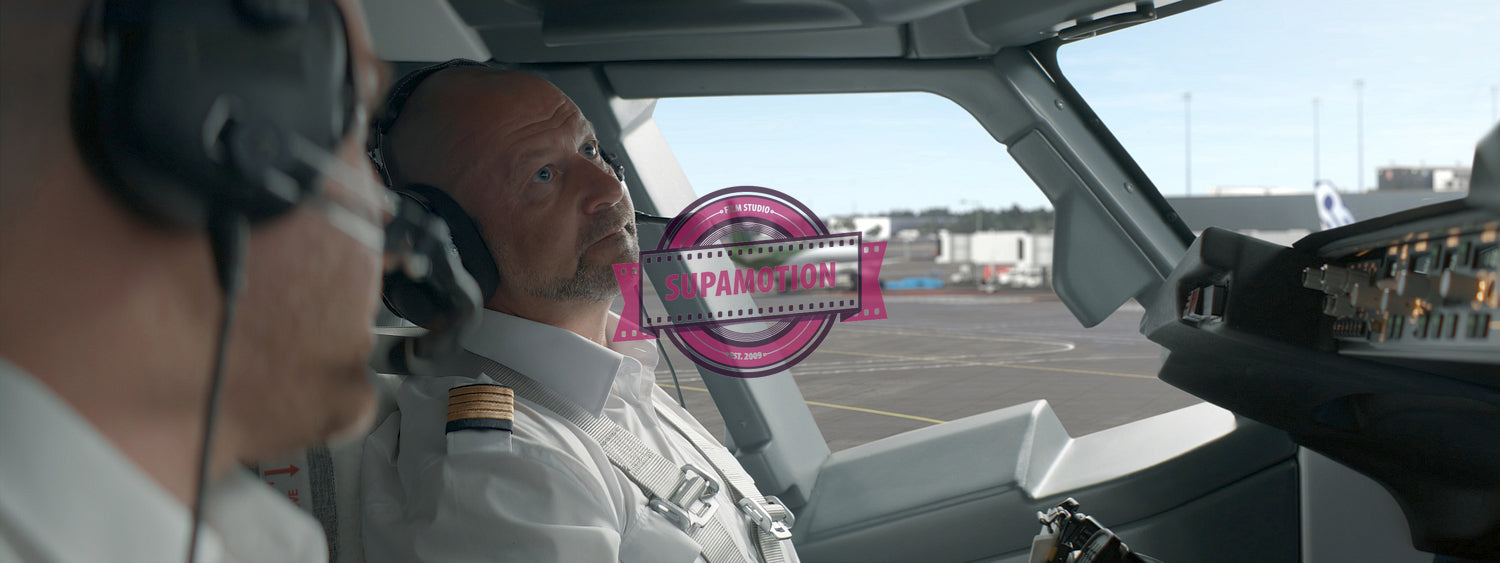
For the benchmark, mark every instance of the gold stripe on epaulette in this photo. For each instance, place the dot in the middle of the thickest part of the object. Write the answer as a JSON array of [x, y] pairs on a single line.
[[480, 406]]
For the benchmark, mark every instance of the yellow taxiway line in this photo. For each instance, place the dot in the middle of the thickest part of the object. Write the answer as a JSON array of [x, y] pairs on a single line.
[[873, 411], [833, 406], [939, 360], [989, 364]]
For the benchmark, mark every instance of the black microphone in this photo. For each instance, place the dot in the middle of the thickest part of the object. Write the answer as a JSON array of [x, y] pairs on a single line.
[[444, 298], [648, 218]]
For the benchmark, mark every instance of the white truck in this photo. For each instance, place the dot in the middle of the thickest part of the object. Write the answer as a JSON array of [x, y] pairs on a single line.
[[998, 259]]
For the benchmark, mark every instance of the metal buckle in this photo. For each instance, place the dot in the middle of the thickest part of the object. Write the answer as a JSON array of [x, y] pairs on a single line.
[[696, 487], [781, 527]]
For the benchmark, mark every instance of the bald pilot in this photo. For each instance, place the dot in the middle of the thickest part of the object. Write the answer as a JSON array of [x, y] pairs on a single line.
[[524, 163]]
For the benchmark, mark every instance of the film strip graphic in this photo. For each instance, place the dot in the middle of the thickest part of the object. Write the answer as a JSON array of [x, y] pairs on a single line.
[[771, 280]]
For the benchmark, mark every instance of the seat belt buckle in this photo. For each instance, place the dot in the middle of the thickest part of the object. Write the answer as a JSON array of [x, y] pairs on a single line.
[[778, 524], [692, 503]]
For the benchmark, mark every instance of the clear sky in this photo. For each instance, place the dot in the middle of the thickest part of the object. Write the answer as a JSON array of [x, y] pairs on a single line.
[[1253, 69]]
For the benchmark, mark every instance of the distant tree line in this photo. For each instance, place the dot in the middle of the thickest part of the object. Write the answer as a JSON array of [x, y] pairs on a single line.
[[1015, 218]]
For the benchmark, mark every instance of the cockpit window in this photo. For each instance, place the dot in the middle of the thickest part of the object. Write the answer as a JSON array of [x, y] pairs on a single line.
[[1239, 111], [973, 324]]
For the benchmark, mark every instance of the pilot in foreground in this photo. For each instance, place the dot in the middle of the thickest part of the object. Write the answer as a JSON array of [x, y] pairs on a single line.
[[110, 316], [443, 482]]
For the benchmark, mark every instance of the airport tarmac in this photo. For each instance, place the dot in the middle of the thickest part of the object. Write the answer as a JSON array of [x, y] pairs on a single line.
[[941, 356]]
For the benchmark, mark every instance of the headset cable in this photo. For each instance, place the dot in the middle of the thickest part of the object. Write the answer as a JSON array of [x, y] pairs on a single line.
[[228, 235]]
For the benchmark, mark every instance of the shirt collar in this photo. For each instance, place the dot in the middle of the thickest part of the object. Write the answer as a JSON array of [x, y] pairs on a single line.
[[575, 367]]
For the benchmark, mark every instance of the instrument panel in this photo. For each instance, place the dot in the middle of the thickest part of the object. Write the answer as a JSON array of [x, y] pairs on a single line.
[[1427, 295]]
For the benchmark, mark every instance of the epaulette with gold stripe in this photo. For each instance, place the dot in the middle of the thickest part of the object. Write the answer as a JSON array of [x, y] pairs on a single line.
[[480, 406]]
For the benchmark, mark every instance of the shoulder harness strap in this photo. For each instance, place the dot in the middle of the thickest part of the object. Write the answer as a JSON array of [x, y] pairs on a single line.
[[682, 495]]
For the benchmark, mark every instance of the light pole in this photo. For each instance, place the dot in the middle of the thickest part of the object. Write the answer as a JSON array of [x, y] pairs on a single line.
[[1317, 162], [1187, 140], [977, 211], [1359, 124]]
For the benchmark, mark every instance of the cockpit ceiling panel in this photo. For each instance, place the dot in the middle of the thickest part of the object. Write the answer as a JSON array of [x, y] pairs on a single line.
[[554, 31]]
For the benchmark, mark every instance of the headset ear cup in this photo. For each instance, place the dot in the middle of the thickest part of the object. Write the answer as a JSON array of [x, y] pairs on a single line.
[[273, 13], [463, 238], [187, 110], [429, 286]]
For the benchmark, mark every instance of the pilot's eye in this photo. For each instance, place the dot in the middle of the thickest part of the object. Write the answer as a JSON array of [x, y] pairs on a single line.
[[543, 175], [590, 150]]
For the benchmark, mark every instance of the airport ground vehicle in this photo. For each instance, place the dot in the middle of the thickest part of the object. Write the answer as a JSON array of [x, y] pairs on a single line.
[[1022, 276], [1198, 484], [1016, 259]]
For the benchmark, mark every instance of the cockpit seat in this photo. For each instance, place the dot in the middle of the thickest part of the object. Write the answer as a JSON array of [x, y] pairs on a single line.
[[325, 480]]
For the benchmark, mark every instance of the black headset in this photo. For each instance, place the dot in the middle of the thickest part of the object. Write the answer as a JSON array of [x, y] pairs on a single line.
[[202, 115], [190, 109], [424, 303]]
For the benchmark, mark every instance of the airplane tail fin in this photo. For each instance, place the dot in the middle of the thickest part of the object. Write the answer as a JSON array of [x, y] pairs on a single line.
[[1331, 210]]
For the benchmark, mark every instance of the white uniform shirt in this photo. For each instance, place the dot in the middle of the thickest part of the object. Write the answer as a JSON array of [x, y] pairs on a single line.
[[67, 494], [545, 491]]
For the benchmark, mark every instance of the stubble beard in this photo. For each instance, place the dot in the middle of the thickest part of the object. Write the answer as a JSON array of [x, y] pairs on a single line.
[[590, 283]]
